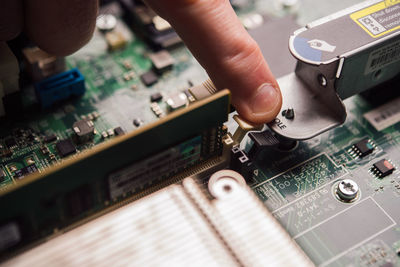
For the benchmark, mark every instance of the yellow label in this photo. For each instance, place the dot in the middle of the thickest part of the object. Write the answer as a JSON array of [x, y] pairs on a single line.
[[379, 19]]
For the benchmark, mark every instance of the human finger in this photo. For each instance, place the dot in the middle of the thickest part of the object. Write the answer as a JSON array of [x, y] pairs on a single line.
[[233, 60], [11, 19], [60, 27]]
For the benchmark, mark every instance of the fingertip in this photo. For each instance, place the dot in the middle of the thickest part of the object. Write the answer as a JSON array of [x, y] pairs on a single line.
[[9, 33], [11, 21], [230, 56], [60, 27], [262, 106]]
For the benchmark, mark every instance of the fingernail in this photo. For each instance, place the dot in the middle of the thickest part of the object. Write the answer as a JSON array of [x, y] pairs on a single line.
[[265, 99]]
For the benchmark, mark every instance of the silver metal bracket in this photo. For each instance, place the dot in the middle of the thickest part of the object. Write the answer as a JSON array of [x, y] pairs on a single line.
[[338, 57], [316, 110]]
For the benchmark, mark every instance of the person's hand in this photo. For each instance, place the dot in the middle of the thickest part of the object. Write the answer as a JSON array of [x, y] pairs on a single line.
[[59, 27], [209, 28], [232, 59]]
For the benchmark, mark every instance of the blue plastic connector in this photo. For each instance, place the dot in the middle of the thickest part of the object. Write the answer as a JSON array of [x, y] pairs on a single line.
[[60, 87]]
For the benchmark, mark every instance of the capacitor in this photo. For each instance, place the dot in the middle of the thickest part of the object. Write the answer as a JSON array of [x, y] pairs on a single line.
[[106, 22]]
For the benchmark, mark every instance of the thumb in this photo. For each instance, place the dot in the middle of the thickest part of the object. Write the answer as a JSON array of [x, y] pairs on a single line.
[[233, 60]]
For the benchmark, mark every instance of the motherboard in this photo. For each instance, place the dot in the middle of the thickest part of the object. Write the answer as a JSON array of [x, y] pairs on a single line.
[[303, 197], [336, 194]]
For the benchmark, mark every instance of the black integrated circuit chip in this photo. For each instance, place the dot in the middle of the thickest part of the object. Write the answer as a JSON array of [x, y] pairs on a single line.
[[149, 78], [156, 97], [18, 174], [383, 168], [65, 148], [50, 138], [119, 131], [363, 148], [25, 171], [162, 61], [79, 200]]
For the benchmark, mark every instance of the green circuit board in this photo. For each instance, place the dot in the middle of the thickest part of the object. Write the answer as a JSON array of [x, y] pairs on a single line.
[[298, 186], [114, 97]]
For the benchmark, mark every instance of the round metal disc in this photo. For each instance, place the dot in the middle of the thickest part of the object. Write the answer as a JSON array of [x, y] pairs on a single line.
[[223, 183]]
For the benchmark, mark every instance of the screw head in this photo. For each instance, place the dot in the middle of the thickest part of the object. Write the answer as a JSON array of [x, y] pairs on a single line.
[[347, 190], [288, 113]]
